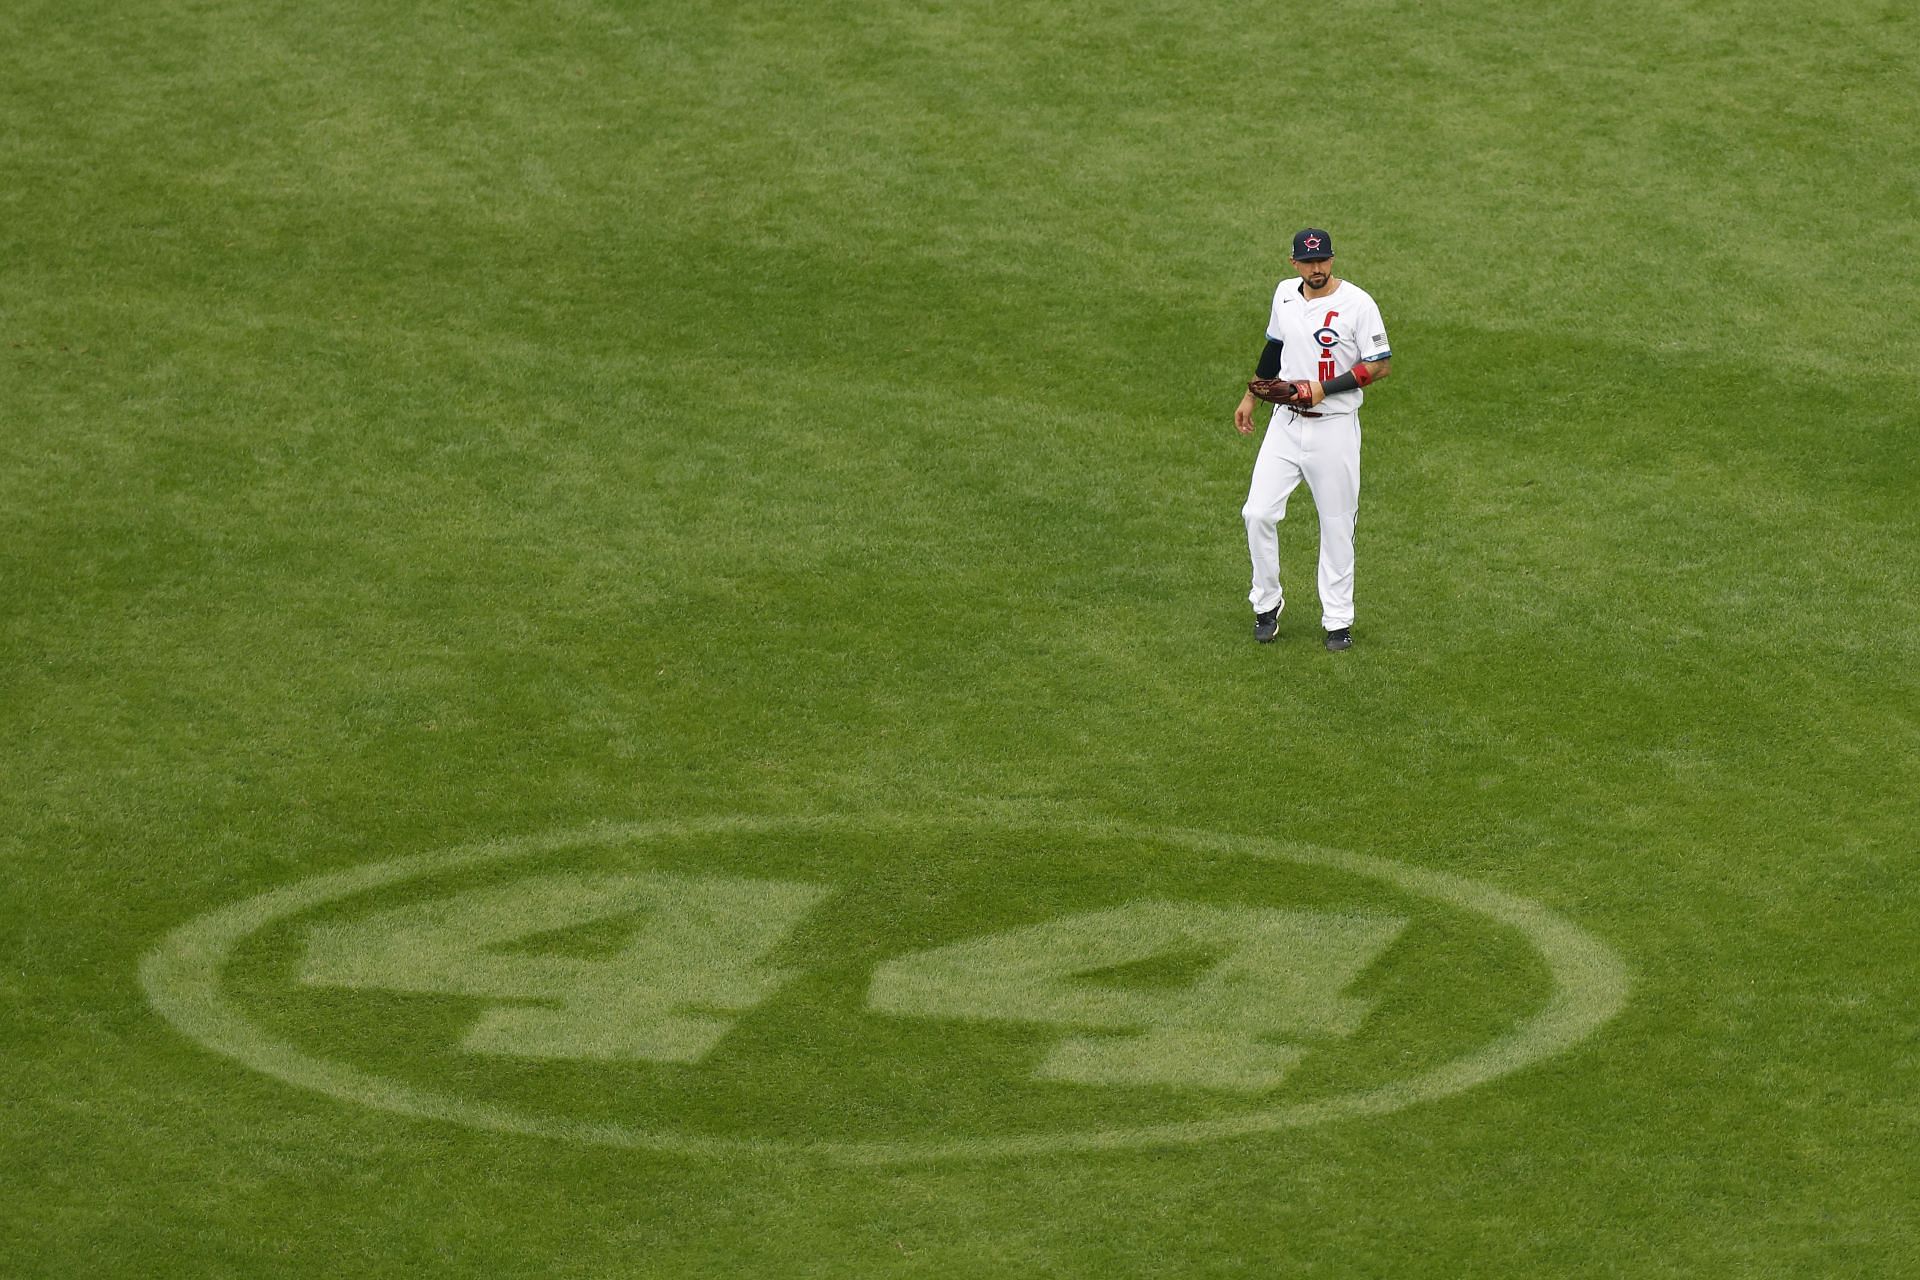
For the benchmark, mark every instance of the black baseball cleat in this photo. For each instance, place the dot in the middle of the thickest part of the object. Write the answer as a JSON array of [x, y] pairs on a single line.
[[1266, 626], [1340, 639]]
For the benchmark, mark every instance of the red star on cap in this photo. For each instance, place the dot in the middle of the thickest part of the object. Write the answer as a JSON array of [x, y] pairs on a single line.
[[1313, 242]]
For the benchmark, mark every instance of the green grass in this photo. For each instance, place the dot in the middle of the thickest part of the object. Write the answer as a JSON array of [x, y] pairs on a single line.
[[474, 422]]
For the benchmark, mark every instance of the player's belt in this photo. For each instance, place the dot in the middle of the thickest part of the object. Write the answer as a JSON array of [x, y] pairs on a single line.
[[1302, 413]]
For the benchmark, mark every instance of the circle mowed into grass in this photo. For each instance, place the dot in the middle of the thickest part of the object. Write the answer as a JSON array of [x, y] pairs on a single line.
[[876, 989]]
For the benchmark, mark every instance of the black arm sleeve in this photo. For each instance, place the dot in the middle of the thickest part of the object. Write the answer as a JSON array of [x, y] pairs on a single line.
[[1269, 366]]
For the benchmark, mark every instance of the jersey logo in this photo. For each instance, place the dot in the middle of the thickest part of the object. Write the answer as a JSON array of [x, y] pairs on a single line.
[[1326, 335]]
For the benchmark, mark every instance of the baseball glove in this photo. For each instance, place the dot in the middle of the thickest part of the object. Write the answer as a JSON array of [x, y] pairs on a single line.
[[1279, 391]]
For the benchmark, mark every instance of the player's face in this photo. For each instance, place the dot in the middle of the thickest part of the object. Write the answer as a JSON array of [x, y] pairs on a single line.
[[1316, 274]]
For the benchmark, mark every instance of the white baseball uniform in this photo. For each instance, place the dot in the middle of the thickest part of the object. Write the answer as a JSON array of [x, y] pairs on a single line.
[[1321, 338]]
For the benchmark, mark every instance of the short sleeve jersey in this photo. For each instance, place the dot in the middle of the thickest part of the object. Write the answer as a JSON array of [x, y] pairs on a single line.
[[1322, 338]]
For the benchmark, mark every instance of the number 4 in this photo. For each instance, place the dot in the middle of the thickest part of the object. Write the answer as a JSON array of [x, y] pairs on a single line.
[[694, 955], [1269, 973]]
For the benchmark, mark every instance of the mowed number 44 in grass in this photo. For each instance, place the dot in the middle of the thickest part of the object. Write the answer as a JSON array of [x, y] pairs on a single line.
[[650, 987]]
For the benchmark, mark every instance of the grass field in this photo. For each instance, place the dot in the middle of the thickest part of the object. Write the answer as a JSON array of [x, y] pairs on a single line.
[[623, 645]]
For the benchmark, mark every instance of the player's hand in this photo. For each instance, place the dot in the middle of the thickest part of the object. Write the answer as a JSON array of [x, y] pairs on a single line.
[[1243, 414], [1319, 393]]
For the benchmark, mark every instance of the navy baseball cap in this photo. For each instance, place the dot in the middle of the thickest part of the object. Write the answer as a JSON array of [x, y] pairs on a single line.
[[1312, 245]]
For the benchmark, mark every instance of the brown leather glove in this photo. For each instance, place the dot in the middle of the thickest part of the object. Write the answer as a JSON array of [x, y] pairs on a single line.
[[1280, 391]]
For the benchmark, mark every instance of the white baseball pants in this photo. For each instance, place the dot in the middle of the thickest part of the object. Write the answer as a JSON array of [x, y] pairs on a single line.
[[1325, 452]]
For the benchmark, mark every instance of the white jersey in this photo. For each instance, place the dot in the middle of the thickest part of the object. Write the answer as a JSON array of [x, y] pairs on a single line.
[[1323, 337]]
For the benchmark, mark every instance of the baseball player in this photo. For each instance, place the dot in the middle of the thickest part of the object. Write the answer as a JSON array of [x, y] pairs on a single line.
[[1325, 342]]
